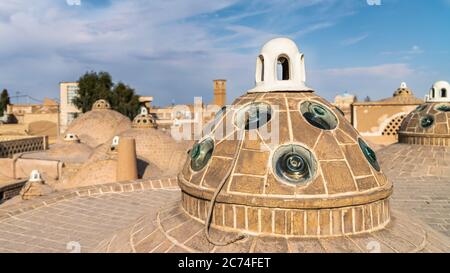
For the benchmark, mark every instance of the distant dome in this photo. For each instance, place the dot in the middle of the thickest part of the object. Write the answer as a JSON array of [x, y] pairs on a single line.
[[160, 149], [64, 151], [70, 152], [428, 124], [98, 126], [403, 90], [144, 120], [101, 104]]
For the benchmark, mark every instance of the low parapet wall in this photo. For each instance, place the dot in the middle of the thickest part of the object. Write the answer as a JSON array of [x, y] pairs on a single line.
[[8, 148]]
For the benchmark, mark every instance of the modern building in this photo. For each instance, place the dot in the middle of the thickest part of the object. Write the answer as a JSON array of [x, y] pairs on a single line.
[[68, 111]]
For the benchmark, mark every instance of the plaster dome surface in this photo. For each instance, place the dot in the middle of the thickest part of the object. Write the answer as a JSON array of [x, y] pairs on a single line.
[[98, 126]]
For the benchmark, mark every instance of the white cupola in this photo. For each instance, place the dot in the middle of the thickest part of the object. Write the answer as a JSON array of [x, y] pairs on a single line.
[[439, 92], [280, 67]]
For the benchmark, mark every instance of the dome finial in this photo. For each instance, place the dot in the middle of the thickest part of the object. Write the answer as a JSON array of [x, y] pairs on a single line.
[[280, 66], [439, 92]]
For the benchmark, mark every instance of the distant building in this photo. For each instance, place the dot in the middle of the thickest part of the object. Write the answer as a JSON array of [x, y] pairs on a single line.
[[220, 93], [68, 111], [344, 103], [178, 114], [32, 119], [379, 121]]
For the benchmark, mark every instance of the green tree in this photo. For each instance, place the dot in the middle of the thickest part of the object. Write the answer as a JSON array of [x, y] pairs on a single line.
[[4, 101], [124, 100], [92, 87], [367, 99]]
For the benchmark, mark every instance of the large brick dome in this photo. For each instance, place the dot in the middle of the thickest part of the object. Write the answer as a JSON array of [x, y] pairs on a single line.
[[99, 125], [318, 178]]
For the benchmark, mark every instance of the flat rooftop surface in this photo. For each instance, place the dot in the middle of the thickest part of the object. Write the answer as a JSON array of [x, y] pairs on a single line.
[[122, 217]]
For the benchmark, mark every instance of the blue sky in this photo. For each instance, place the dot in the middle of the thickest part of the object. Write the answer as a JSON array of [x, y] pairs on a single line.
[[173, 49]]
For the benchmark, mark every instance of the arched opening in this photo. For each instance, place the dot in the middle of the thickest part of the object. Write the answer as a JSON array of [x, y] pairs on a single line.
[[443, 93], [433, 93], [260, 68], [283, 73]]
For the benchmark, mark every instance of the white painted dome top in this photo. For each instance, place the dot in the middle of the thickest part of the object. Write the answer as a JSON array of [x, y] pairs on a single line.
[[35, 176], [439, 92], [280, 66]]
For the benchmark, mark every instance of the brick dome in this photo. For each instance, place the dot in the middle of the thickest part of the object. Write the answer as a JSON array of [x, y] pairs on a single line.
[[99, 126], [429, 123], [101, 104], [403, 90], [160, 149], [318, 174]]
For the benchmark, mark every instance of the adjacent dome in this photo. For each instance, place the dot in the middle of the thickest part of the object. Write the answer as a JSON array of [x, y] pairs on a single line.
[[162, 156], [99, 125], [315, 176], [429, 123], [144, 120]]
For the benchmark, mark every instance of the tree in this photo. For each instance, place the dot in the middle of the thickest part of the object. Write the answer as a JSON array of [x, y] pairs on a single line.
[[367, 99], [92, 87], [4, 101], [124, 100]]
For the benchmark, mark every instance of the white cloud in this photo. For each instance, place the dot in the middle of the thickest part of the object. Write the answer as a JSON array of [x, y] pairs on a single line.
[[384, 70], [414, 50], [154, 45], [378, 81], [354, 40]]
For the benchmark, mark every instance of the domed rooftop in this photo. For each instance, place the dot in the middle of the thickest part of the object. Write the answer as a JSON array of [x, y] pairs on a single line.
[[403, 95], [68, 150], [403, 90], [99, 125], [429, 123], [144, 120], [160, 154], [312, 170]]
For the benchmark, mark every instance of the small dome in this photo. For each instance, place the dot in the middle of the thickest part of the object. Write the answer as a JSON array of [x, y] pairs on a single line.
[[101, 104], [97, 127], [439, 92], [403, 90], [71, 138], [144, 120], [428, 124]]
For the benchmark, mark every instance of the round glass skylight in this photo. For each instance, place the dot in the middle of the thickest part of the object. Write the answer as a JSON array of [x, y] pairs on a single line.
[[318, 115]]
